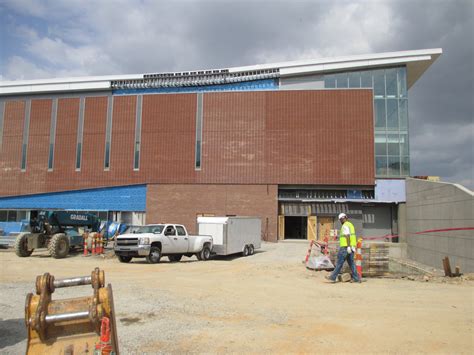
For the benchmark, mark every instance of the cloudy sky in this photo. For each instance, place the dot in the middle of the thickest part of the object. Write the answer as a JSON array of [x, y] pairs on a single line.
[[54, 38]]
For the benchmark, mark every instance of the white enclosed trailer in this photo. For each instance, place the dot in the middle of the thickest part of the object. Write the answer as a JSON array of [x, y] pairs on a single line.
[[232, 235]]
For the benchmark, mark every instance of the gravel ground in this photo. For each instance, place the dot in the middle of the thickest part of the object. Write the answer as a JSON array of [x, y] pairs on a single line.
[[265, 303]]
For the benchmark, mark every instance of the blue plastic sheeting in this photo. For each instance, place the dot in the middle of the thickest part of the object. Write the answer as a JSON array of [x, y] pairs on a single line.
[[123, 198], [13, 227], [266, 84], [390, 190]]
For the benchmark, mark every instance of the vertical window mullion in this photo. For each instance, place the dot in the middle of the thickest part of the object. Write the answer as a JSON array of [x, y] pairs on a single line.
[[80, 130], [26, 129], [199, 109], [52, 133], [138, 133], [108, 132]]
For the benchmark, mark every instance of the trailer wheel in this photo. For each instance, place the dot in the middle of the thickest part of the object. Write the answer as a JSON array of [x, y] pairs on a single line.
[[21, 246], [124, 258], [205, 253], [251, 249], [246, 251], [59, 246], [154, 256], [175, 258]]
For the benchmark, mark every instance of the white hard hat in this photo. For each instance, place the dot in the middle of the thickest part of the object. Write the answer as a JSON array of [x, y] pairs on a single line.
[[341, 215]]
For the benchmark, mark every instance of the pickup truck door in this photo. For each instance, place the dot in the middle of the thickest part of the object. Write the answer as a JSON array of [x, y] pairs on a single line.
[[178, 243]]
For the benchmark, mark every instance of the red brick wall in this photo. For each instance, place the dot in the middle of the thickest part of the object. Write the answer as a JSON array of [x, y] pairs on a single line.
[[277, 137], [182, 204]]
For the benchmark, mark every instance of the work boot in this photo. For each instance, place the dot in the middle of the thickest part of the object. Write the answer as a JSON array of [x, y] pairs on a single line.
[[329, 280]]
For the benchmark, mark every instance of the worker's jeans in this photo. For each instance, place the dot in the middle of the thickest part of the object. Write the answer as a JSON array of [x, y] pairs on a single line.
[[342, 256]]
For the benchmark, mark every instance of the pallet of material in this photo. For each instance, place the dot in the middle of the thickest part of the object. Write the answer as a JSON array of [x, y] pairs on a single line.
[[375, 260]]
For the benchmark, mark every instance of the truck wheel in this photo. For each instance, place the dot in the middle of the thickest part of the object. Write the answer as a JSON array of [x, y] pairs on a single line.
[[59, 246], [175, 258], [198, 256], [205, 253], [246, 251], [251, 249], [124, 259], [21, 246], [154, 256]]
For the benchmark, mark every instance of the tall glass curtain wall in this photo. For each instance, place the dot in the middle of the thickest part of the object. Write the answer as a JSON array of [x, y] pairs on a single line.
[[392, 157]]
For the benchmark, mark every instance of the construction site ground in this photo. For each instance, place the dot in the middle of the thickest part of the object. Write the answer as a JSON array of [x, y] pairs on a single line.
[[265, 303]]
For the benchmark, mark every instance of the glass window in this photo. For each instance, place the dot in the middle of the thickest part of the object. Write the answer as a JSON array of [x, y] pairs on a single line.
[[379, 82], [392, 114], [341, 80], [380, 144], [3, 215], [197, 162], [381, 166], [403, 144], [180, 230], [108, 132], [393, 144], [366, 79], [26, 129], [329, 81], [402, 82], [354, 79], [138, 132], [391, 80], [380, 121], [80, 130], [403, 114], [405, 165], [394, 166], [11, 216], [52, 133]]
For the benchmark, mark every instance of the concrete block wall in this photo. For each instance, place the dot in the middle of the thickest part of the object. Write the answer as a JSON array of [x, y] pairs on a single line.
[[438, 205]]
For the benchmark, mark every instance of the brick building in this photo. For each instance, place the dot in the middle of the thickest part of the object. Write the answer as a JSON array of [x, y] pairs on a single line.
[[294, 143]]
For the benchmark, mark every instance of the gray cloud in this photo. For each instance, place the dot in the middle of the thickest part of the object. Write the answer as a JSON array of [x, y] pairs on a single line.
[[120, 37]]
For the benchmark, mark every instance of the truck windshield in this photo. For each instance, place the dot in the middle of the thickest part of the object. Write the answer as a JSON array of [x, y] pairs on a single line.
[[150, 229]]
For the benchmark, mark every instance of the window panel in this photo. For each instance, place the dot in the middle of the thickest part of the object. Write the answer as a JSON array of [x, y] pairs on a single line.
[[404, 144], [392, 114], [330, 81], [381, 166], [52, 133], [354, 79], [26, 130], [379, 82], [394, 166], [391, 82], [366, 79], [199, 108], [393, 144], [380, 144], [80, 129], [403, 114], [380, 120], [405, 166], [341, 80], [138, 133], [2, 115], [402, 82]]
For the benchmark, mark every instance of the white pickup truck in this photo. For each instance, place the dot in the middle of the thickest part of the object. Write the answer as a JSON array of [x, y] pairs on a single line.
[[156, 240]]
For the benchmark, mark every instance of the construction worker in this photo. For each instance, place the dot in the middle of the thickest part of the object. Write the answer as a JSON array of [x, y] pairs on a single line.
[[347, 248]]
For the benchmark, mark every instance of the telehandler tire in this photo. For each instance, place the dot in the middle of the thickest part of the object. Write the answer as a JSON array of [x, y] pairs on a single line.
[[21, 246], [59, 246]]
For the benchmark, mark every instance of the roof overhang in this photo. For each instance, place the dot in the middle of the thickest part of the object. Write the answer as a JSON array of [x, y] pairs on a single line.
[[416, 61]]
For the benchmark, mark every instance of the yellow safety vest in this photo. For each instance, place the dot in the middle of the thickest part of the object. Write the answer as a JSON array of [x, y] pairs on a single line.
[[353, 238]]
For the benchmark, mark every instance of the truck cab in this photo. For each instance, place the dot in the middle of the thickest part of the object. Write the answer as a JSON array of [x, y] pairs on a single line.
[[156, 240]]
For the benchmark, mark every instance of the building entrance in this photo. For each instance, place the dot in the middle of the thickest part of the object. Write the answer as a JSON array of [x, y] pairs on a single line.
[[296, 227]]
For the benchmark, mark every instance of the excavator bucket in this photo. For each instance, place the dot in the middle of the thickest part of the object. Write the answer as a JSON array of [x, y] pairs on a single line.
[[75, 325]]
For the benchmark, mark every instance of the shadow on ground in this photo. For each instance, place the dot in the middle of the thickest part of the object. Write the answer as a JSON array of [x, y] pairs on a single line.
[[12, 331]]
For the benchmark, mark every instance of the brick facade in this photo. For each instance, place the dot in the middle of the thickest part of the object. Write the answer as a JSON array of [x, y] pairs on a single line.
[[183, 203]]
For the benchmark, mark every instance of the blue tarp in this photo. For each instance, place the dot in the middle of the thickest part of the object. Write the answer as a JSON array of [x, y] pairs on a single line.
[[123, 198]]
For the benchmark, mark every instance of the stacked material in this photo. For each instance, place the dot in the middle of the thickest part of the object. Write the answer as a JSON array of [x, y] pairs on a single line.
[[375, 260]]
